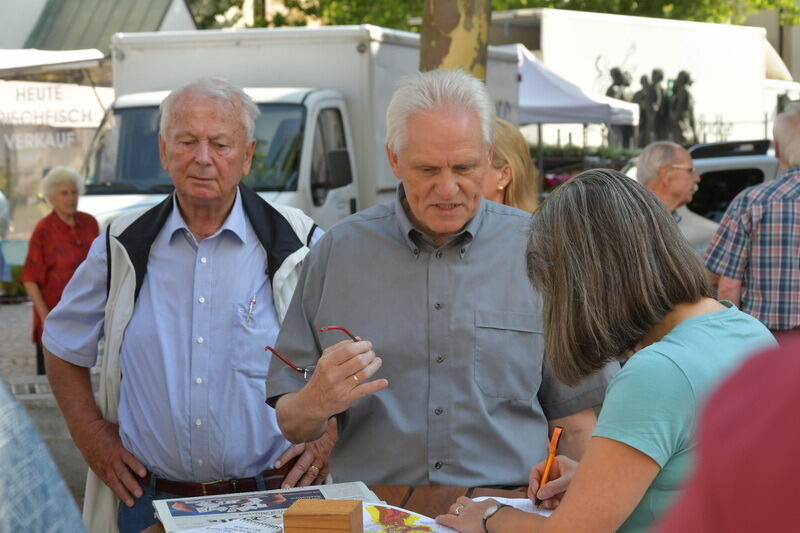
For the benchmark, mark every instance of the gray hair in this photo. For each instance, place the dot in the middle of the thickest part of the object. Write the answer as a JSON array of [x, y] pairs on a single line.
[[653, 157], [218, 90], [58, 175], [610, 263], [424, 91], [786, 132]]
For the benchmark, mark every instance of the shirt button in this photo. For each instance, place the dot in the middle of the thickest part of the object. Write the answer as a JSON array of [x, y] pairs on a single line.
[[416, 251], [199, 462], [200, 340], [438, 410], [437, 465], [198, 422], [203, 260], [438, 305], [440, 359], [439, 254], [201, 300], [199, 381]]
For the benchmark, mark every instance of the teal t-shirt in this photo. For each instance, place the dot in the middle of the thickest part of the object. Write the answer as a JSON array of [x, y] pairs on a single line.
[[651, 404]]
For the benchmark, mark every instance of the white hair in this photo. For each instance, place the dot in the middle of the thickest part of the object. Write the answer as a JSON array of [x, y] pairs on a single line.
[[58, 175], [218, 90], [786, 132], [653, 157], [424, 91]]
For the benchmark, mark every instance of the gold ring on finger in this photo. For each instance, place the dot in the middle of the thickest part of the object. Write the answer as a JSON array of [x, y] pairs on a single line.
[[355, 378]]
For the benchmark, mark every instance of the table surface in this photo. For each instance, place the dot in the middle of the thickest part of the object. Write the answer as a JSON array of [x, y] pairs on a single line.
[[429, 500], [436, 499]]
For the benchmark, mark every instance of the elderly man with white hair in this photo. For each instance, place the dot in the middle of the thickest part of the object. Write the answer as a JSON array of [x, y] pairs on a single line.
[[449, 385], [184, 296], [667, 170], [755, 249]]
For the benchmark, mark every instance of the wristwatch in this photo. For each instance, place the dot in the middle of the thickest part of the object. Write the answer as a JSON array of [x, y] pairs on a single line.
[[489, 512]]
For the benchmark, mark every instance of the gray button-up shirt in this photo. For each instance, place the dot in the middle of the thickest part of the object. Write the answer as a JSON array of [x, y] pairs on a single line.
[[458, 327]]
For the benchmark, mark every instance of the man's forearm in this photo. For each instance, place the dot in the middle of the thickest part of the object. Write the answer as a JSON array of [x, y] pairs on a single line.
[[578, 428], [730, 289], [72, 388], [297, 422]]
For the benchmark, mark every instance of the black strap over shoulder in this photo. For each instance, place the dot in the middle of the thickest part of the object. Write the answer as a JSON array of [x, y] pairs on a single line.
[[139, 236], [273, 231]]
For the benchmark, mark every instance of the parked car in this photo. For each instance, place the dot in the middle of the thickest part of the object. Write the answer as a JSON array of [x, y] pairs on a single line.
[[725, 170]]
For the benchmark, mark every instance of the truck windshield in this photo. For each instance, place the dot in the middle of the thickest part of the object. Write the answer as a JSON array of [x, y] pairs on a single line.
[[124, 155]]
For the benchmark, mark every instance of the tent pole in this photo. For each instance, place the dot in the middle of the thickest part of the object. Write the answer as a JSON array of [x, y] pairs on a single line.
[[540, 155]]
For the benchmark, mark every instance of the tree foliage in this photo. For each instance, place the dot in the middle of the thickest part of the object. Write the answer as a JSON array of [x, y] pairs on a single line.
[[205, 11], [721, 11], [386, 13], [395, 13]]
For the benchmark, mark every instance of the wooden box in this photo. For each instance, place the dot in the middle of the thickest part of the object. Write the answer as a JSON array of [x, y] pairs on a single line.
[[309, 516]]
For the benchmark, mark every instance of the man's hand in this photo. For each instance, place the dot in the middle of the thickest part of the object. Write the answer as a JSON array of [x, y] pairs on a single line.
[[339, 379], [311, 467], [561, 473], [102, 448], [96, 438]]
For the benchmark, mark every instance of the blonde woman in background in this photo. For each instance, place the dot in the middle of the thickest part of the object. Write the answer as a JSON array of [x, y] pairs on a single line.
[[511, 178]]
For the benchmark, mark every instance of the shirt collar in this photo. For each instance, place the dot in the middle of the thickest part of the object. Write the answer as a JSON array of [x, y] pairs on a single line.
[[234, 224], [413, 236]]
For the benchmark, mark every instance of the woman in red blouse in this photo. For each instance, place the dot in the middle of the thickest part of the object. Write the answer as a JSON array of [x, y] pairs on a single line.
[[58, 245]]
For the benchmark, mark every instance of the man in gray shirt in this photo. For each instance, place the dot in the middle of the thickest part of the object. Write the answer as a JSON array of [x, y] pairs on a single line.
[[436, 283]]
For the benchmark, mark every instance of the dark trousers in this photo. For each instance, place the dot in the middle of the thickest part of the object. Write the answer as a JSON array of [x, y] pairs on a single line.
[[39, 359]]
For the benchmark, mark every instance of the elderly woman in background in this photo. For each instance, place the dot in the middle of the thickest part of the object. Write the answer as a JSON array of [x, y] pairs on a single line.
[[511, 178], [619, 281], [59, 244]]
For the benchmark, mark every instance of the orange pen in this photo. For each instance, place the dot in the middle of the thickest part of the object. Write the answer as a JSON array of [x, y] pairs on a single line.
[[551, 455]]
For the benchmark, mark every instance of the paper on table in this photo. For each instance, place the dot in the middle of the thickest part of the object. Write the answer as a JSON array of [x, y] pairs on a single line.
[[236, 526], [383, 518], [523, 504]]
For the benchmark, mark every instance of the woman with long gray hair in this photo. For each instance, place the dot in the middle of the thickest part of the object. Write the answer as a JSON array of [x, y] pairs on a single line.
[[620, 282]]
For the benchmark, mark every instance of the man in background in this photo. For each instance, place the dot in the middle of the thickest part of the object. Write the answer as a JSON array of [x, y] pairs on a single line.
[[667, 169], [754, 251]]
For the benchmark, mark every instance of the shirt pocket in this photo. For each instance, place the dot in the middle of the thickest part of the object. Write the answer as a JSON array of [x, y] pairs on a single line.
[[508, 354], [250, 335]]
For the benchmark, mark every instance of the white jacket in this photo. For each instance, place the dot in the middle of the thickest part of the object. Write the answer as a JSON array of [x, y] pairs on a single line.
[[291, 240]]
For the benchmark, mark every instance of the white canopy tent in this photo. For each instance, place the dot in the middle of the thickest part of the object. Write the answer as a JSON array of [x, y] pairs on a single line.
[[546, 98], [31, 60]]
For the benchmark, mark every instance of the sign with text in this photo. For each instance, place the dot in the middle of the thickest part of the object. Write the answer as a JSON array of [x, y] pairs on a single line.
[[59, 105]]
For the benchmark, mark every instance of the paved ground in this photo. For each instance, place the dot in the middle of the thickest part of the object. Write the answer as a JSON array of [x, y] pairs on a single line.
[[17, 353]]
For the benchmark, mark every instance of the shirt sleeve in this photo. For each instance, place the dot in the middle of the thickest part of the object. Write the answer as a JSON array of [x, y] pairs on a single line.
[[35, 269], [297, 340], [727, 252], [649, 406], [559, 400], [75, 326]]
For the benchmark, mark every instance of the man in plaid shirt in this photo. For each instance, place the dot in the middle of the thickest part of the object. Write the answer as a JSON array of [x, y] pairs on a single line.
[[756, 250]]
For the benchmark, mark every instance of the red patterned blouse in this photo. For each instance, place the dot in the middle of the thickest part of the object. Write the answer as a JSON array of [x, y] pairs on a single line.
[[54, 253]]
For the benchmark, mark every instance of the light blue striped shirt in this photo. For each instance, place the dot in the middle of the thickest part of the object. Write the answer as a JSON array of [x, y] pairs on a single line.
[[192, 359]]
